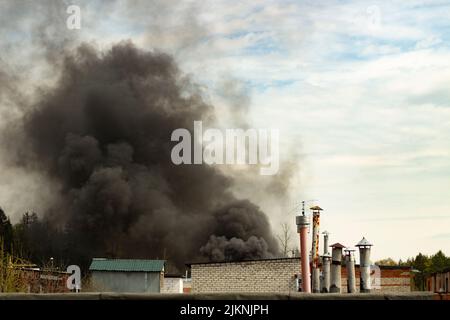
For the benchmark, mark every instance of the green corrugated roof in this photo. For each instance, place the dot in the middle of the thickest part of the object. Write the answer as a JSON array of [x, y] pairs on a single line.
[[100, 264]]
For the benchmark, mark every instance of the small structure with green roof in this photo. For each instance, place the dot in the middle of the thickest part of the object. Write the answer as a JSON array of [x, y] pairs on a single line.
[[127, 275]]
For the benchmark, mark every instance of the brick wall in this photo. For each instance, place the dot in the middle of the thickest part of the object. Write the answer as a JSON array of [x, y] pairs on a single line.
[[392, 280], [250, 276], [275, 275]]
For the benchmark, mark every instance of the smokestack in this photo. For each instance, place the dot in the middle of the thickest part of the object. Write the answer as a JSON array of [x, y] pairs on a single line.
[[336, 260], [315, 249], [325, 242], [350, 266], [326, 264], [302, 228], [364, 265]]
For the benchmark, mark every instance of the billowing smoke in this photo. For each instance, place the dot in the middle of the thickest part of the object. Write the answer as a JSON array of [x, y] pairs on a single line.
[[102, 134], [220, 248]]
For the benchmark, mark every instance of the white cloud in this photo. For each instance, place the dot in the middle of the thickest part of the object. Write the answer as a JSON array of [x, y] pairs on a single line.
[[361, 86]]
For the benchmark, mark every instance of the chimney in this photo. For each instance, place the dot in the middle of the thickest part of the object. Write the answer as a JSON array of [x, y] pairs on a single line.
[[326, 235], [302, 222], [364, 265], [350, 266], [336, 260], [315, 249], [326, 263]]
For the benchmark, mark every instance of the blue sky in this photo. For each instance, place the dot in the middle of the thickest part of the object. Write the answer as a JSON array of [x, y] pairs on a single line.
[[359, 89]]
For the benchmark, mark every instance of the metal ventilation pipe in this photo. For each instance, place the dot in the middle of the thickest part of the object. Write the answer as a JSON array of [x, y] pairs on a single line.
[[326, 235], [315, 249], [326, 264], [336, 260], [364, 265], [302, 228], [350, 266]]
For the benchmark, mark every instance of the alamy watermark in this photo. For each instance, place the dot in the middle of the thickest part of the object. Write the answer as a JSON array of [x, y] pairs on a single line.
[[73, 21], [229, 146], [74, 280]]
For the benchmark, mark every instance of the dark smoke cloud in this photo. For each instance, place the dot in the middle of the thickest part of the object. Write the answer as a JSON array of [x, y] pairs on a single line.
[[102, 134], [244, 228], [221, 249]]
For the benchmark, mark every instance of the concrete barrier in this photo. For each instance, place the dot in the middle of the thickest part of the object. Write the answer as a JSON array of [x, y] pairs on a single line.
[[218, 296]]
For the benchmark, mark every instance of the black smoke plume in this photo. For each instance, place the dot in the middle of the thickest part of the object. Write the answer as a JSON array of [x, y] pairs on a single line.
[[102, 134]]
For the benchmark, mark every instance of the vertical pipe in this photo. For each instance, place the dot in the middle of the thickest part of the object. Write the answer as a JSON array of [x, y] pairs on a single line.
[[326, 258], [325, 242], [315, 253], [350, 266], [336, 260], [302, 229], [306, 278], [315, 250], [364, 265], [316, 280], [326, 264]]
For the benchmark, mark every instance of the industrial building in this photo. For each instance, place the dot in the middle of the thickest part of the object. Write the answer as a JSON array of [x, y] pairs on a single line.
[[281, 275], [331, 272], [439, 282], [335, 272], [127, 275]]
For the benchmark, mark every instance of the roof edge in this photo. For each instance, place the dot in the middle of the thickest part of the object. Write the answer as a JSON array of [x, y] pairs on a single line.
[[386, 267]]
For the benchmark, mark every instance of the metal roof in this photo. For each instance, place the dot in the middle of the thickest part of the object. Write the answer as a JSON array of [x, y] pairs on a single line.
[[316, 208], [101, 264], [337, 245], [363, 243]]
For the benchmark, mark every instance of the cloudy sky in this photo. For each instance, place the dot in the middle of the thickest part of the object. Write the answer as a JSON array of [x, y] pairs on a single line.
[[359, 90]]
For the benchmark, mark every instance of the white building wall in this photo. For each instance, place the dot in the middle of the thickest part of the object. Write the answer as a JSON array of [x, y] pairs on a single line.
[[172, 285]]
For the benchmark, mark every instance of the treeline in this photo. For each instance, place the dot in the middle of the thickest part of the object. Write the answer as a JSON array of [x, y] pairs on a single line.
[[36, 240], [423, 266]]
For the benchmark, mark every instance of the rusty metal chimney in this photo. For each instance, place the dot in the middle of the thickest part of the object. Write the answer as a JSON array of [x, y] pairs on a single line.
[[315, 249], [302, 222], [336, 260], [350, 266], [364, 265]]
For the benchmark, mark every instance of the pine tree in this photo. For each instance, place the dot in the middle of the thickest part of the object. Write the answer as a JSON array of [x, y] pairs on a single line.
[[6, 231]]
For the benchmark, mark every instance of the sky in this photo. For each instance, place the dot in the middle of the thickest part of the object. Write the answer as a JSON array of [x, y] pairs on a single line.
[[358, 89]]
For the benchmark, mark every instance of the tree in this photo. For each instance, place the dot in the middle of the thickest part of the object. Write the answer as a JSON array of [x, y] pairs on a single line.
[[386, 262], [439, 262], [422, 264], [284, 237], [6, 231]]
